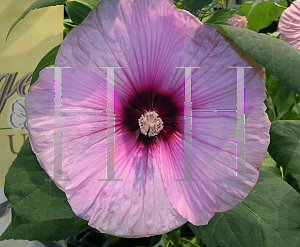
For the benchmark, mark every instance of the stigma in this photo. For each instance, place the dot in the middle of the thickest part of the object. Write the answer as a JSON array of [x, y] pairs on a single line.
[[150, 123]]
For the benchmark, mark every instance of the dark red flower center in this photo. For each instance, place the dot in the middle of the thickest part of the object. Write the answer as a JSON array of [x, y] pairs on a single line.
[[170, 112]]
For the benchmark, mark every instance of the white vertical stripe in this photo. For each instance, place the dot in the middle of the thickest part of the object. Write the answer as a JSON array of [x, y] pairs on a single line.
[[240, 123], [188, 147], [110, 124], [57, 124]]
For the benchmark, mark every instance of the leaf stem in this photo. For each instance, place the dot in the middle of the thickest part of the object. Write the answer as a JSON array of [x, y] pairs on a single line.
[[190, 242], [168, 243]]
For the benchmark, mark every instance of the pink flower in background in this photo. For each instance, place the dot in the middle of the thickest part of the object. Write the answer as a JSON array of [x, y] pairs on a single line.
[[237, 21], [148, 39], [289, 25]]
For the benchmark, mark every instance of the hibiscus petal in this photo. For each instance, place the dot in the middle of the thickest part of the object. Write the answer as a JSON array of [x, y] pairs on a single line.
[[145, 38], [215, 187], [289, 25], [81, 89], [137, 206]]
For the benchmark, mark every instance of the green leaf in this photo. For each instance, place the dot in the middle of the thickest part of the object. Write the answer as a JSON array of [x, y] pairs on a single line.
[[155, 240], [111, 239], [196, 4], [194, 242], [220, 28], [47, 60], [36, 201], [293, 180], [36, 5], [281, 59], [179, 4], [269, 216], [68, 26], [245, 8], [269, 165], [282, 103], [253, 6], [285, 144], [30, 192], [77, 11], [175, 237], [269, 162], [52, 230], [90, 3], [218, 17], [263, 13]]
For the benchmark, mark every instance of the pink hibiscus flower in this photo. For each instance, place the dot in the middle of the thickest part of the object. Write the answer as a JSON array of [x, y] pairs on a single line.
[[289, 25], [149, 40], [237, 21]]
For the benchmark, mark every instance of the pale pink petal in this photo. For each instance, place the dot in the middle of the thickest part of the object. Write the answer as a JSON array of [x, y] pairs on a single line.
[[214, 133], [137, 206], [289, 24], [145, 38], [81, 89], [237, 21]]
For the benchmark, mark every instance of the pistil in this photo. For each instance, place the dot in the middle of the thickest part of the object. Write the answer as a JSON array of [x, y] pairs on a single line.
[[150, 123]]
